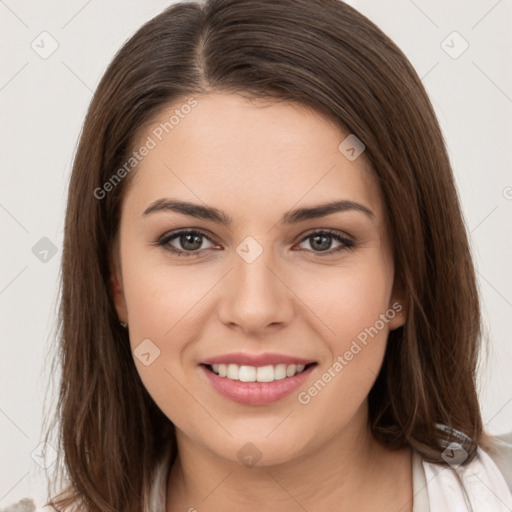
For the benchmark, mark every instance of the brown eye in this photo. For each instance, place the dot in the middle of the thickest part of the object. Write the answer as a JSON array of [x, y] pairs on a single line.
[[190, 242], [187, 242], [321, 241]]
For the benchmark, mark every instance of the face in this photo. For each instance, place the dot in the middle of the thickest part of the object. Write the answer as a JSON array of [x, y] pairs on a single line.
[[279, 289]]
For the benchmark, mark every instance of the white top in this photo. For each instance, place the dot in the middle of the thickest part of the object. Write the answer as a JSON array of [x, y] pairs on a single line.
[[436, 488], [487, 484]]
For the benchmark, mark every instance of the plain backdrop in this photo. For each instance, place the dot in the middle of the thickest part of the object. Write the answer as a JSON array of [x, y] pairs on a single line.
[[462, 51]]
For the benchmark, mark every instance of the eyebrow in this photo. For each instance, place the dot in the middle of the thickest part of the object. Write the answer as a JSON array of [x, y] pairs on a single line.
[[290, 217]]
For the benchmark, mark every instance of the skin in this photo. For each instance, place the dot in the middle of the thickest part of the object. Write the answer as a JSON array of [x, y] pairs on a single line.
[[256, 161]]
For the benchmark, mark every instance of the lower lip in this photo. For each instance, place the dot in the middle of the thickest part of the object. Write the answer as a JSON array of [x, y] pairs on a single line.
[[256, 393]]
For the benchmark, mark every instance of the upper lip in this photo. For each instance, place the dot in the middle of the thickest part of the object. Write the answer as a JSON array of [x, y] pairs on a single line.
[[244, 359]]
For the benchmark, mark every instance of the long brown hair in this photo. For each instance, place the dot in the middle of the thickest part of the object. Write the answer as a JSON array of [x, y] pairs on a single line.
[[323, 54]]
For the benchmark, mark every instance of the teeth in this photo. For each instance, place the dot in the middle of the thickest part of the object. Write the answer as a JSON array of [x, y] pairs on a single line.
[[257, 374], [279, 372], [291, 370], [233, 372], [265, 374], [223, 370], [247, 374]]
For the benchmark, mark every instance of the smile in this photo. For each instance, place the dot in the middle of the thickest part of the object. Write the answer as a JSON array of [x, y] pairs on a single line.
[[268, 373], [251, 385]]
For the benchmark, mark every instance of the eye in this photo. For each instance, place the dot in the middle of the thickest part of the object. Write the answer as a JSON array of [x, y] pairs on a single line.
[[322, 240], [188, 240]]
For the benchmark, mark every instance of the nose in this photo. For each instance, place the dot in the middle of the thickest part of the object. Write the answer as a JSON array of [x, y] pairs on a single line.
[[255, 297]]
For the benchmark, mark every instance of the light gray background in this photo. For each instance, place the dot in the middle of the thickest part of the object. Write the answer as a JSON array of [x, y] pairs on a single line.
[[43, 104]]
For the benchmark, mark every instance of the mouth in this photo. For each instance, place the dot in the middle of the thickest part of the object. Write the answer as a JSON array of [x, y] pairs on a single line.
[[268, 373], [256, 385]]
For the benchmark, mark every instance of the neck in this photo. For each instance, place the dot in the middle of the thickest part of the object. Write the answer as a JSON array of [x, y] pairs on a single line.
[[350, 471]]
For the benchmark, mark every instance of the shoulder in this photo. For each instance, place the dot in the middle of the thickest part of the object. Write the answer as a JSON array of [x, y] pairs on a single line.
[[24, 505], [27, 505], [501, 454], [483, 482]]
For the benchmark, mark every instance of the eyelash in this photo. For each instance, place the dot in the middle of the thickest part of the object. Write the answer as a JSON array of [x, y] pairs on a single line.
[[347, 243]]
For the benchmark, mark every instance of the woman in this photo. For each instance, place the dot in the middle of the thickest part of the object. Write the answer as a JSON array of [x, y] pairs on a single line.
[[268, 299]]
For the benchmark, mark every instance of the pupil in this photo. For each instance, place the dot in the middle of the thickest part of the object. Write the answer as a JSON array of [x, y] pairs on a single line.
[[322, 237], [189, 237]]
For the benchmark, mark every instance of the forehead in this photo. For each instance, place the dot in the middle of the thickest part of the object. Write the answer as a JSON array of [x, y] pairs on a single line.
[[263, 156]]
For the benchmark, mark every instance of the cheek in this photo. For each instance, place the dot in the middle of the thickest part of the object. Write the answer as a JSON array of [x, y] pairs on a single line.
[[353, 310], [350, 300], [162, 298], [164, 305]]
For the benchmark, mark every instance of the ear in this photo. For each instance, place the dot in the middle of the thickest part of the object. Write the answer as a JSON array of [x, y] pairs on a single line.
[[397, 312], [116, 285]]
